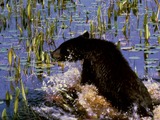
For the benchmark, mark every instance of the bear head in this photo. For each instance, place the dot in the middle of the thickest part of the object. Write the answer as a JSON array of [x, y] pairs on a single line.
[[71, 50]]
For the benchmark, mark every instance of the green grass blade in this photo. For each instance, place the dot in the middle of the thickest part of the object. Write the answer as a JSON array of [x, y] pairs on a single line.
[[4, 114], [23, 91]]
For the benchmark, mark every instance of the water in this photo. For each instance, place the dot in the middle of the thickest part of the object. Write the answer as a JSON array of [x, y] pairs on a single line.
[[94, 106], [33, 34]]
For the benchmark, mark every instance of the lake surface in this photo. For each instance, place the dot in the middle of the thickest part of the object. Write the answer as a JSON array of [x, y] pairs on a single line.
[[30, 29]]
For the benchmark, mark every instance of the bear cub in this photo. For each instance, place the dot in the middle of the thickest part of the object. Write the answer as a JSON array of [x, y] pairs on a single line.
[[105, 67]]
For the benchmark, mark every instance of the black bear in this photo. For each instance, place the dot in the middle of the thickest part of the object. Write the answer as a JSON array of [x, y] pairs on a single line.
[[105, 67]]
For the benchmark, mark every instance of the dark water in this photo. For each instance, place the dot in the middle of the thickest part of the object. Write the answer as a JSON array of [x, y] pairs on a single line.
[[23, 24]]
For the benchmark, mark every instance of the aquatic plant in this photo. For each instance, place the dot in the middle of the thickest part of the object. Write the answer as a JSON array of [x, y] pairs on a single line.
[[30, 29], [4, 115]]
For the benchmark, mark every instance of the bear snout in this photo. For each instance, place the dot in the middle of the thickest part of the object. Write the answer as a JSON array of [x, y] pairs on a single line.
[[56, 54]]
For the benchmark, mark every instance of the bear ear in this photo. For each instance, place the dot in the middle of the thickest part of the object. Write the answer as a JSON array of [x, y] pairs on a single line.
[[85, 34]]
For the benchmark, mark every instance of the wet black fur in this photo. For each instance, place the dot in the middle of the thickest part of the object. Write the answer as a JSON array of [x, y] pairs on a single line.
[[106, 68]]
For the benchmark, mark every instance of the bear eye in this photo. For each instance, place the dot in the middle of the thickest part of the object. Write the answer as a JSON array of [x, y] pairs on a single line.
[[65, 51]]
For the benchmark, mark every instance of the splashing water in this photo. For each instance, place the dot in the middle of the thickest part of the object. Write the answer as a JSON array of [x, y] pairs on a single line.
[[88, 100], [59, 82]]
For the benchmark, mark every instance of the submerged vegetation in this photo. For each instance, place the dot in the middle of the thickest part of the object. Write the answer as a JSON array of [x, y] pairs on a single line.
[[30, 29]]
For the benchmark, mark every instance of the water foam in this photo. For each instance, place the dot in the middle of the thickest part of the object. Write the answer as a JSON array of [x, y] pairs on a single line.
[[96, 106], [61, 81]]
